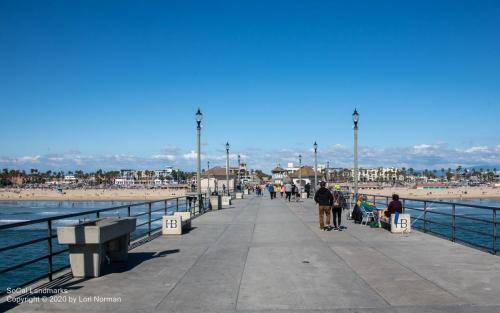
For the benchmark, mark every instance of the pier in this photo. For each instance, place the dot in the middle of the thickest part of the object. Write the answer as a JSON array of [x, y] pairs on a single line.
[[263, 255]]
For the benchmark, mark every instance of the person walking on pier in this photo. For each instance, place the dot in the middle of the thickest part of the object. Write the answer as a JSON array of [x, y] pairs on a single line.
[[282, 190], [338, 201], [275, 190], [288, 191], [270, 188], [307, 189], [324, 199]]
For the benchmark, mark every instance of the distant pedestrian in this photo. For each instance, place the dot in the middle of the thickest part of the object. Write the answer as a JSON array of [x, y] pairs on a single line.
[[307, 189], [275, 190], [288, 191], [324, 199], [270, 188], [282, 190], [298, 192]]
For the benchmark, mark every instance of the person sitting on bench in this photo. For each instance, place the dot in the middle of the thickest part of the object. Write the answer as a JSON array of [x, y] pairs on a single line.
[[395, 207]]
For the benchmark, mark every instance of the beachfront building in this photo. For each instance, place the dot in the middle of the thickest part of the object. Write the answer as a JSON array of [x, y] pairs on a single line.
[[70, 179], [290, 168], [124, 182], [279, 175], [219, 174], [306, 173]]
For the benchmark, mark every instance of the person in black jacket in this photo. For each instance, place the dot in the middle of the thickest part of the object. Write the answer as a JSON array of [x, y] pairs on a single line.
[[324, 199]]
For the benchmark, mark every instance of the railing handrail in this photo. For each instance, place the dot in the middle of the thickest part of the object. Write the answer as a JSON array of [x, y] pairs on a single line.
[[486, 207], [58, 217], [453, 225]]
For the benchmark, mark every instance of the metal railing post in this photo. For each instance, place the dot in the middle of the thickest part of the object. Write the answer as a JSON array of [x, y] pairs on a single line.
[[98, 214], [49, 248], [128, 211], [177, 205], [425, 216], [149, 221], [453, 223], [404, 205], [494, 231], [166, 205]]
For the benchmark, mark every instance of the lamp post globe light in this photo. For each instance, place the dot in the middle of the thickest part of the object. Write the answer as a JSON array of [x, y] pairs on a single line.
[[227, 167], [199, 117], [355, 119], [315, 165]]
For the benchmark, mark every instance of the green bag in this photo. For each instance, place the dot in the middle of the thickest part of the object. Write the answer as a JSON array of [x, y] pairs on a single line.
[[373, 224]]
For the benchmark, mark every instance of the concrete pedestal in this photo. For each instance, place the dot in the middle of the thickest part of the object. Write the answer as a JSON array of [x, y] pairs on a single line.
[[216, 202], [403, 224], [239, 195], [245, 191], [171, 225], [226, 201], [303, 195]]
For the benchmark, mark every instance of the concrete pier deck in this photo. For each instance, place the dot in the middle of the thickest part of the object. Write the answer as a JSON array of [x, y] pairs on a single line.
[[265, 255]]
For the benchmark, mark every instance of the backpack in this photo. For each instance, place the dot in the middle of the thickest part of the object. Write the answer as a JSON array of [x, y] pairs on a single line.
[[336, 200]]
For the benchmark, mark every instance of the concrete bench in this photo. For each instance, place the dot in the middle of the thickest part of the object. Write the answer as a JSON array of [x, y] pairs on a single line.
[[95, 242], [403, 224], [239, 195], [176, 224]]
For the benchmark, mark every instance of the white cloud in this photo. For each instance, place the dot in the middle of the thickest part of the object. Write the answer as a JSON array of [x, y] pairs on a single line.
[[28, 159], [477, 149], [192, 155], [166, 157]]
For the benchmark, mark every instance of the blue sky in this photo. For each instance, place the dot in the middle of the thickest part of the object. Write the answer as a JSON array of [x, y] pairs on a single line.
[[89, 84]]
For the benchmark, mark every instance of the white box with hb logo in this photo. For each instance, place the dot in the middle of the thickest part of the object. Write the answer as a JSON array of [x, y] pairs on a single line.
[[403, 224], [171, 225]]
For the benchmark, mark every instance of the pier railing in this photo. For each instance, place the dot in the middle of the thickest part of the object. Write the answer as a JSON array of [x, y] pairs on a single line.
[[149, 215], [470, 224]]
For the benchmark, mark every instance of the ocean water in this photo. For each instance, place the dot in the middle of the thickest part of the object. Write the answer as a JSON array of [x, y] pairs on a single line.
[[18, 211]]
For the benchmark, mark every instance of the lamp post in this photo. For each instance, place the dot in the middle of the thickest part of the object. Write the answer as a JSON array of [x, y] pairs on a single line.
[[327, 172], [208, 175], [199, 117], [300, 176], [239, 166], [355, 119], [227, 167], [315, 165]]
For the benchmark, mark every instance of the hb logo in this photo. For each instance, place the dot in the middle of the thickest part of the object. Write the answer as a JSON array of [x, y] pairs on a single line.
[[171, 224], [403, 223]]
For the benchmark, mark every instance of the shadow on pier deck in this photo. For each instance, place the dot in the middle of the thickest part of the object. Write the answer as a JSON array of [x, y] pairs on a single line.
[[270, 256]]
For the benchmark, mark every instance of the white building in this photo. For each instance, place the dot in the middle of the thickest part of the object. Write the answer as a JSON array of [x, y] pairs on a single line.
[[124, 182], [70, 179]]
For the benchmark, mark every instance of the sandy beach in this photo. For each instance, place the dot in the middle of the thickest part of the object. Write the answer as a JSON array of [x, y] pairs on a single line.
[[439, 194], [89, 194]]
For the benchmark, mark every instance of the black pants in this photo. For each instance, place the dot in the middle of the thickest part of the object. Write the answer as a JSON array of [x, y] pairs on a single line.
[[271, 194], [288, 196], [337, 213], [308, 193]]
